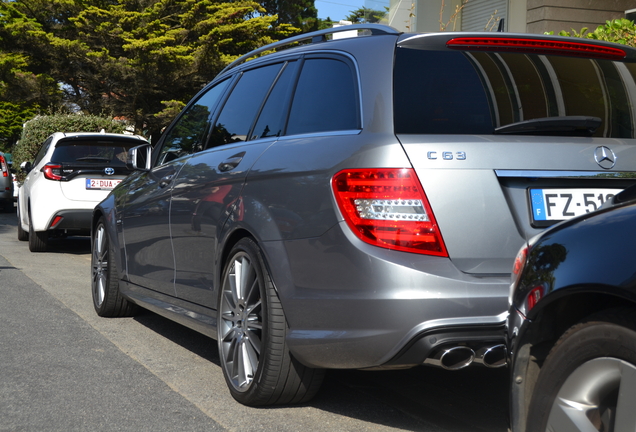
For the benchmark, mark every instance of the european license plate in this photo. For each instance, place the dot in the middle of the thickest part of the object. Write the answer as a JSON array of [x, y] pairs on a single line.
[[562, 204], [101, 184]]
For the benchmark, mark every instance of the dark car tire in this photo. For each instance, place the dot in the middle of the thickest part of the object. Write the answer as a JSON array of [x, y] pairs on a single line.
[[22, 234], [251, 331], [38, 240], [107, 299], [593, 364]]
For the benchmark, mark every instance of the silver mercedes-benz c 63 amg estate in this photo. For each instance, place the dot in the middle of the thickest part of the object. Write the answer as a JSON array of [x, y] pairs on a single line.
[[358, 202]]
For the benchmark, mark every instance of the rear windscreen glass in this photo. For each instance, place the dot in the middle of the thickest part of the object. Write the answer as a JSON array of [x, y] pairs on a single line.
[[112, 153], [447, 92]]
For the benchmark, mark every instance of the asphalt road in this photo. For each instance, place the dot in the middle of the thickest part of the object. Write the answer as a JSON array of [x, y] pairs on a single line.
[[63, 368]]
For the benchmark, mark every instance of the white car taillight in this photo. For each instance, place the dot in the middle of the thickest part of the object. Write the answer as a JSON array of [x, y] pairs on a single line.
[[387, 207], [52, 171]]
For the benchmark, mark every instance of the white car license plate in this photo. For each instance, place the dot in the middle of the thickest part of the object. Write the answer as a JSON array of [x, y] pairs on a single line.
[[101, 184], [562, 204]]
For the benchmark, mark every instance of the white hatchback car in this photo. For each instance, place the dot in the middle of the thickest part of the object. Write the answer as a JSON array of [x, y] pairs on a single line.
[[71, 174]]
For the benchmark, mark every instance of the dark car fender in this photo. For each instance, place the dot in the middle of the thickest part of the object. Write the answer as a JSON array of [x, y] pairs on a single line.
[[579, 268]]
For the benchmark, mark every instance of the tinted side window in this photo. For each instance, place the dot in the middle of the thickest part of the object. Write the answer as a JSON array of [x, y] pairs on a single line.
[[188, 134], [274, 112], [239, 112], [325, 99]]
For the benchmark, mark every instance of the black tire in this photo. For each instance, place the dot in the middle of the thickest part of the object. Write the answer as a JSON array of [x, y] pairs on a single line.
[[22, 234], [252, 327], [38, 240], [593, 365], [107, 299]]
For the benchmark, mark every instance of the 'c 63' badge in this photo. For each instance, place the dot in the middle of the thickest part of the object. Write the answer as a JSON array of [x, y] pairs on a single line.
[[446, 155]]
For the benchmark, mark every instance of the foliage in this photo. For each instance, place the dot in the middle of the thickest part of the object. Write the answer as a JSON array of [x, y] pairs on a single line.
[[129, 58], [366, 15], [298, 13], [12, 117], [620, 30], [37, 130]]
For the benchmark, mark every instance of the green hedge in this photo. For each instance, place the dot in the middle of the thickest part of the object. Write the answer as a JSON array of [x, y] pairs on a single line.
[[37, 130]]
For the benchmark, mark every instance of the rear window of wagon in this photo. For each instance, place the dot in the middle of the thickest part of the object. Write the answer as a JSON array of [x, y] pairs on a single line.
[[448, 92]]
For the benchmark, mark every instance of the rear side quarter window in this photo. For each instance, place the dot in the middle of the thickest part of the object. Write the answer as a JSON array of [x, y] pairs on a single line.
[[326, 98]]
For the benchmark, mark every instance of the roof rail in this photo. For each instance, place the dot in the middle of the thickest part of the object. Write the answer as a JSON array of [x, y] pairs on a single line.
[[317, 36]]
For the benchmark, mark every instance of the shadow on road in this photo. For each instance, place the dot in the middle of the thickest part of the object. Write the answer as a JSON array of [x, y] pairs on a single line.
[[422, 398]]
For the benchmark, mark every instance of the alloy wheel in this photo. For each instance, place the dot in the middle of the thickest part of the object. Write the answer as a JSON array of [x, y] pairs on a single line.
[[598, 396], [241, 322], [100, 265]]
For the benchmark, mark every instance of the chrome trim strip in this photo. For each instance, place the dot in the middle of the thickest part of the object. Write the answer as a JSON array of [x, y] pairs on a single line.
[[567, 174], [321, 134]]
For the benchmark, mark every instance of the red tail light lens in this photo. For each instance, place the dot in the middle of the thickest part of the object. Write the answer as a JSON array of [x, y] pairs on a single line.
[[3, 167], [52, 171], [519, 264], [537, 46], [388, 208]]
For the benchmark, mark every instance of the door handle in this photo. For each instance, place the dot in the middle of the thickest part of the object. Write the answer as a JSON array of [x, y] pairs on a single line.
[[165, 181], [231, 163]]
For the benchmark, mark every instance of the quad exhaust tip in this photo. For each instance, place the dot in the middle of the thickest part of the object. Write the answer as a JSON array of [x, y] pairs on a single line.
[[459, 357]]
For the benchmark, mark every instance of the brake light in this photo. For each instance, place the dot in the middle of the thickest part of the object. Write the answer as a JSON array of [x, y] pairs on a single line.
[[537, 46], [52, 171], [519, 264], [3, 167], [388, 208]]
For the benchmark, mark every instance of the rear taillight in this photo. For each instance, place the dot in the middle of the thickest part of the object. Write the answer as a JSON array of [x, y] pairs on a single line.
[[388, 208], [52, 171], [537, 46], [519, 264], [3, 167]]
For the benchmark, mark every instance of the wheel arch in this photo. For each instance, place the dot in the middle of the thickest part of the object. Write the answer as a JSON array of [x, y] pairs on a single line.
[[547, 325]]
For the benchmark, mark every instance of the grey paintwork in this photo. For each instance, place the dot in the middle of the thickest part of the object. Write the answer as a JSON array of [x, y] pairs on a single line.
[[348, 304]]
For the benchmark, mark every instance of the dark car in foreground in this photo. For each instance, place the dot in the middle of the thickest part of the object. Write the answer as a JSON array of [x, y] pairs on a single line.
[[357, 203], [572, 325]]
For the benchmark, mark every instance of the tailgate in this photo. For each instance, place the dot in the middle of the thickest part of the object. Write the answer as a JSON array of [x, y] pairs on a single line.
[[481, 189]]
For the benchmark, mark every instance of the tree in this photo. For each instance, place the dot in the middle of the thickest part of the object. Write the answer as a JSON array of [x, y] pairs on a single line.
[[133, 58], [365, 15], [298, 13]]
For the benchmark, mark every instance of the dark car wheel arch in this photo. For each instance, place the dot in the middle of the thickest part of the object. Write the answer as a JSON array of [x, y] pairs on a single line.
[[554, 318]]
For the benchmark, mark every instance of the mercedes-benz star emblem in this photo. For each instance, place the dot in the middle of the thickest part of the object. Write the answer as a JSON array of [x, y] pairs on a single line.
[[605, 157], [109, 171]]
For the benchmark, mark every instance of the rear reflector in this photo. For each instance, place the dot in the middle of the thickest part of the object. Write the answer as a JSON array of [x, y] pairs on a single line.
[[388, 208], [56, 221], [537, 46]]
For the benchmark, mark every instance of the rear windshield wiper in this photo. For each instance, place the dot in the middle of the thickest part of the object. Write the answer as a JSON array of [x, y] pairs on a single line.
[[93, 158], [564, 126]]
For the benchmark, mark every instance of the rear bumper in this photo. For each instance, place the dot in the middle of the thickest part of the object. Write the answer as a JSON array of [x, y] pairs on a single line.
[[352, 305], [73, 220]]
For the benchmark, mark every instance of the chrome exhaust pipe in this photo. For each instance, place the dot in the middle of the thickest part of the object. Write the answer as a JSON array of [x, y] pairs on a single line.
[[492, 357], [454, 358]]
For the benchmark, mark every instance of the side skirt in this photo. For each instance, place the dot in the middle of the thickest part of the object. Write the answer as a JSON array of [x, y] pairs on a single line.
[[198, 318]]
